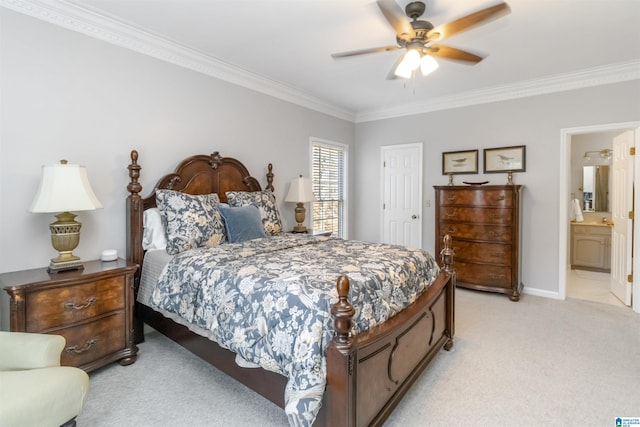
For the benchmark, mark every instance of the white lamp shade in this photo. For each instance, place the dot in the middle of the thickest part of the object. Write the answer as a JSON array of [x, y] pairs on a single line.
[[300, 191], [428, 65], [403, 70], [63, 188]]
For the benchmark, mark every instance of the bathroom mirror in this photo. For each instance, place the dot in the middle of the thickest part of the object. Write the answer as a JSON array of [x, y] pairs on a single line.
[[595, 187]]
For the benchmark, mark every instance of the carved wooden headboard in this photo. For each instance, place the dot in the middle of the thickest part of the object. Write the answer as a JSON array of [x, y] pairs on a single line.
[[200, 174]]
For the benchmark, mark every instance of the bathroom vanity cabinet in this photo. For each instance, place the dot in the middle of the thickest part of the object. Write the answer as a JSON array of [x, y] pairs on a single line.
[[591, 247]]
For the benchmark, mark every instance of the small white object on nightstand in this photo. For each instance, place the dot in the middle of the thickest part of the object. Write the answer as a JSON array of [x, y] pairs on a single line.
[[109, 255]]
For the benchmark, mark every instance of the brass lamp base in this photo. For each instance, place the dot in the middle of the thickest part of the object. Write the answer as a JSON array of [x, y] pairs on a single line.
[[58, 266], [65, 236], [300, 212]]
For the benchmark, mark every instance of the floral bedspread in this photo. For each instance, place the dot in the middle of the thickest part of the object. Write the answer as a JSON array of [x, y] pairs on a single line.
[[269, 300]]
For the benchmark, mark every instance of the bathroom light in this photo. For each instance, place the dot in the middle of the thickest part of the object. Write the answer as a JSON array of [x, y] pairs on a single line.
[[605, 154]]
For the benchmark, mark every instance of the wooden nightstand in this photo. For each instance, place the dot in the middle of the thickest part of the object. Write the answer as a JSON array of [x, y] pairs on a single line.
[[91, 308]]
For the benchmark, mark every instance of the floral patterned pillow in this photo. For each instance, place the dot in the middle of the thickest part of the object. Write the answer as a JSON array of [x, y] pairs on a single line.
[[265, 201], [190, 221]]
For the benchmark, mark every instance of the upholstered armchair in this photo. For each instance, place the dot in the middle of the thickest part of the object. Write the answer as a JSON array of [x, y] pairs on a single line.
[[34, 389]]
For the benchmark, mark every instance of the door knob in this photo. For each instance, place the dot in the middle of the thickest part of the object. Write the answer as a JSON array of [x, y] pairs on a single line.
[[414, 216]]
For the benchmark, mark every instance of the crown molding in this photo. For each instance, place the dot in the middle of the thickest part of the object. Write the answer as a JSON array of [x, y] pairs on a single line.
[[85, 21], [558, 83]]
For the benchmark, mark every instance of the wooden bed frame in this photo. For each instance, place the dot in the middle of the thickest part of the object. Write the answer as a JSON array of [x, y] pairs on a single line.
[[367, 374]]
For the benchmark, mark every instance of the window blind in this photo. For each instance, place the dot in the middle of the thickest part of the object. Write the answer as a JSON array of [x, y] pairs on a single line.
[[328, 187]]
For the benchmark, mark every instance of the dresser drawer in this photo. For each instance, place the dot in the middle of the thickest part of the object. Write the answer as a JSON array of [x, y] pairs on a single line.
[[54, 307], [476, 215], [483, 274], [91, 341], [491, 198], [493, 233], [494, 253]]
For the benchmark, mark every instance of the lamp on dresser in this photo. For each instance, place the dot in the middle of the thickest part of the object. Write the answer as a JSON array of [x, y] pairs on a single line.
[[300, 193], [64, 187]]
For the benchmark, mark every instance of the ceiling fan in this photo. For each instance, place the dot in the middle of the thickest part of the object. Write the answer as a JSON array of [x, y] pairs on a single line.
[[417, 37]]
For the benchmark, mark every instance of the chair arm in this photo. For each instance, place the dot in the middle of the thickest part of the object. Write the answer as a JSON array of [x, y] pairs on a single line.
[[19, 350]]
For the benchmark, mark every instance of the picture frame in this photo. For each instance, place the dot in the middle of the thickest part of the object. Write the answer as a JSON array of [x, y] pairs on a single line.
[[460, 162], [505, 159]]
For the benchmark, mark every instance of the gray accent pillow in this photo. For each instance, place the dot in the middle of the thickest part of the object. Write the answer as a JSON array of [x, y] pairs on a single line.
[[265, 201], [190, 221], [242, 223]]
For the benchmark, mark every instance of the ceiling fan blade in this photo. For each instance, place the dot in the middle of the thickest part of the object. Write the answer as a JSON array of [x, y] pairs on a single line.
[[397, 19], [363, 51], [447, 52], [459, 25]]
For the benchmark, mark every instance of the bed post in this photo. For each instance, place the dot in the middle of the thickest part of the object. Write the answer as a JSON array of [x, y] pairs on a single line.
[[341, 375], [446, 256], [134, 235], [270, 178]]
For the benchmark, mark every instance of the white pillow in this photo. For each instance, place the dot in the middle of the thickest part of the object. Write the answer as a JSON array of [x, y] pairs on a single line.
[[153, 236]]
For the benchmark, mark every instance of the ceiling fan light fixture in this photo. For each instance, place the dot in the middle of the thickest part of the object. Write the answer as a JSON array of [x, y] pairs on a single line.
[[402, 70], [428, 65], [410, 62]]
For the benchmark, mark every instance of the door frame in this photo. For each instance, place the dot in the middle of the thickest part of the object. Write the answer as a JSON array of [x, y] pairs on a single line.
[[564, 197], [385, 148]]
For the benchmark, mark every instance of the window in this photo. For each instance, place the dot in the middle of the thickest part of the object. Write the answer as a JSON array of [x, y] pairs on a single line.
[[328, 175]]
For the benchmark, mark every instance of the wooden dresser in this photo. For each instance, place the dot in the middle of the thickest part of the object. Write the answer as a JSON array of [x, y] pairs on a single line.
[[484, 222], [91, 308]]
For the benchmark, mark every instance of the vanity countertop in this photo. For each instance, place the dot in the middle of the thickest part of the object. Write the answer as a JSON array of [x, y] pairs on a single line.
[[593, 224]]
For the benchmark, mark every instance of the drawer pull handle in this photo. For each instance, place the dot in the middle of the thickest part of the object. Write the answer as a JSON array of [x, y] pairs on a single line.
[[499, 199], [87, 347], [452, 214], [496, 276], [495, 216], [73, 306], [496, 234], [452, 198], [451, 230]]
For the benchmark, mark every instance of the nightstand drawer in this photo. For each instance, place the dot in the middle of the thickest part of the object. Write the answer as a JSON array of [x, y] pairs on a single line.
[[51, 308], [93, 340]]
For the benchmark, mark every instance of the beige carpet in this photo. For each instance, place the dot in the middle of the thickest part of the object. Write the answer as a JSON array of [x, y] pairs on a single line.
[[537, 362]]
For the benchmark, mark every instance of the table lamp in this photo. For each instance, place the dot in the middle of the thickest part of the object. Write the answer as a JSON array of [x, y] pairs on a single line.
[[300, 192], [64, 188]]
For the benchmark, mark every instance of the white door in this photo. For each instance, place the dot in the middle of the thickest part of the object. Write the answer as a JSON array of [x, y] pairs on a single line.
[[621, 207], [402, 195]]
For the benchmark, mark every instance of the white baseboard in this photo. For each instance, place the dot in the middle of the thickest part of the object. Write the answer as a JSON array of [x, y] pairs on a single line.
[[541, 293]]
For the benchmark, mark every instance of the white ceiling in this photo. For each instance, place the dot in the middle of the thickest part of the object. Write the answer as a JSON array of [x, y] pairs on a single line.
[[287, 44]]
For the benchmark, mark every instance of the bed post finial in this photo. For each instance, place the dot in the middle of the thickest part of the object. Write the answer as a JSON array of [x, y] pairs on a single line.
[[343, 313], [270, 178], [134, 186], [447, 254], [216, 160]]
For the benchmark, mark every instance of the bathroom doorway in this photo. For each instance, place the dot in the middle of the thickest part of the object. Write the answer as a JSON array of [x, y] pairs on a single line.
[[593, 283]]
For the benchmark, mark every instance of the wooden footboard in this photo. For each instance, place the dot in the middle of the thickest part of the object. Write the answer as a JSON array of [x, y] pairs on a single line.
[[368, 374]]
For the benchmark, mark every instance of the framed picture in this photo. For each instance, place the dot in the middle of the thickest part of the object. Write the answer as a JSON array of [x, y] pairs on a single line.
[[459, 162], [505, 159]]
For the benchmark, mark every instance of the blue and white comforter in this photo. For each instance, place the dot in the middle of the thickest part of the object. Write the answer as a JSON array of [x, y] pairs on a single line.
[[269, 300]]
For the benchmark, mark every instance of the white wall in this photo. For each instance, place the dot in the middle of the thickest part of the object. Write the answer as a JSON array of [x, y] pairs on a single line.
[[535, 122], [68, 96]]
